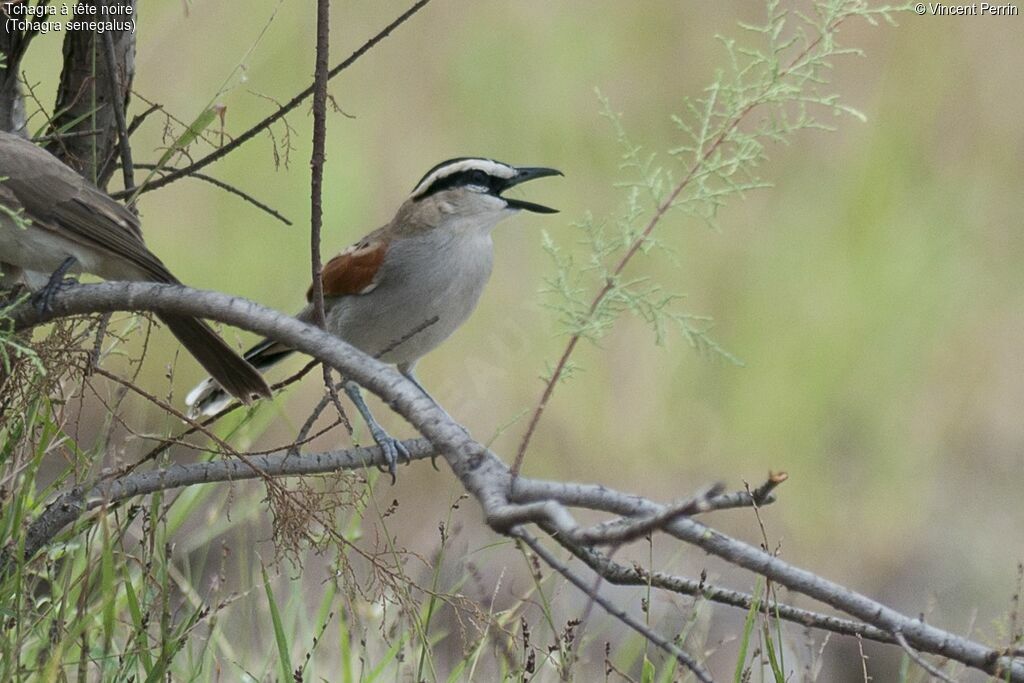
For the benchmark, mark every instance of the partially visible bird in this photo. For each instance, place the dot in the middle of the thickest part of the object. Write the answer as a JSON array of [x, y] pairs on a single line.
[[406, 287], [53, 221]]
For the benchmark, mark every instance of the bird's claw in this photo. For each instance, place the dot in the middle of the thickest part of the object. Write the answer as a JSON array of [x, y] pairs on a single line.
[[43, 299], [393, 450]]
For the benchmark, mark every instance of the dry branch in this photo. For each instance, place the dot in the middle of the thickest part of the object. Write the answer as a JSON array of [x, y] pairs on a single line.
[[281, 111], [490, 481]]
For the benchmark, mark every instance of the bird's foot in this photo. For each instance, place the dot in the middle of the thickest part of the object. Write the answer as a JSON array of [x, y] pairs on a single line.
[[393, 450], [44, 298]]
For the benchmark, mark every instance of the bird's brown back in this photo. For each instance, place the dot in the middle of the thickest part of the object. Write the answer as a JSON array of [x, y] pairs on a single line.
[[57, 199]]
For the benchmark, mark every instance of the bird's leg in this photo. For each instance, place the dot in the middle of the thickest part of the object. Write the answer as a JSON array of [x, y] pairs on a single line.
[[43, 299], [407, 371], [392, 447]]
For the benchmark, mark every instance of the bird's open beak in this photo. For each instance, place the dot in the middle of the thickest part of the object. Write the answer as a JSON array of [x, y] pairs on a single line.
[[522, 176]]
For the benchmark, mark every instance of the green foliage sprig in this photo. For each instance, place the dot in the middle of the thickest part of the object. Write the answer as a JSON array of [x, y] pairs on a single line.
[[781, 79]]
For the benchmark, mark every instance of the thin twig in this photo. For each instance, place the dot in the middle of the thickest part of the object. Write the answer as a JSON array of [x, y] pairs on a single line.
[[97, 347], [919, 660], [227, 188], [316, 183], [316, 163], [117, 101], [69, 134], [137, 122], [307, 426], [221, 152], [681, 656], [620, 531], [139, 119], [598, 497], [226, 410], [863, 660], [622, 575]]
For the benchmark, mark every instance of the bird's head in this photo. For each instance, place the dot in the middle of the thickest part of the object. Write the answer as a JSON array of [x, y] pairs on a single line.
[[469, 190]]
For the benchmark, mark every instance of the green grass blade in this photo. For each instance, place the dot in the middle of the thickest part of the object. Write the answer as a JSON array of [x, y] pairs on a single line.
[[748, 629], [279, 635], [194, 130]]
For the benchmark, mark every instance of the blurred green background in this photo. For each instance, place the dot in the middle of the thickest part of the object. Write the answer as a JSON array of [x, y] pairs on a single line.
[[875, 293]]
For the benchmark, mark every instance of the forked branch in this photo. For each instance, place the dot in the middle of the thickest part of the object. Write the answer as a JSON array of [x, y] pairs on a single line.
[[509, 506]]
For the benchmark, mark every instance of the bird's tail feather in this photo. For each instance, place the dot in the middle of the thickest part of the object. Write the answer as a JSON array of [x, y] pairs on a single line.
[[210, 395], [232, 373]]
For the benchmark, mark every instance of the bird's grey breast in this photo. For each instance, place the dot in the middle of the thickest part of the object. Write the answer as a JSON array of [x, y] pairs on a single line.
[[430, 285]]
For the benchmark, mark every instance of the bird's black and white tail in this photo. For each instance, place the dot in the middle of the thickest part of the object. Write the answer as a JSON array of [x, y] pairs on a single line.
[[209, 397]]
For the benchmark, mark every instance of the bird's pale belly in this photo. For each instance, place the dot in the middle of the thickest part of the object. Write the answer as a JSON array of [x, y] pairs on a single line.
[[35, 249], [400, 324], [30, 248], [399, 331]]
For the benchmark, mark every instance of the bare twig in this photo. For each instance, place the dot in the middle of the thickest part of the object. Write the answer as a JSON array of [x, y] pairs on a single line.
[[118, 105], [316, 183], [863, 660], [681, 656], [227, 188], [619, 574], [56, 135], [140, 118], [97, 346], [316, 163], [221, 152], [919, 660], [598, 497], [623, 530]]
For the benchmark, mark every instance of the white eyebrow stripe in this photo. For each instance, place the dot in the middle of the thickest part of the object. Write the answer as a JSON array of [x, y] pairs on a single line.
[[493, 168]]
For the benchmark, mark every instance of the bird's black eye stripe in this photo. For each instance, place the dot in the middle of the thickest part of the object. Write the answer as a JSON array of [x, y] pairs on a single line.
[[474, 177]]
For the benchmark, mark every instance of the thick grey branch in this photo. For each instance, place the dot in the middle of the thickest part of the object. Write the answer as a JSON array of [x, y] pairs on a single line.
[[480, 471], [488, 479], [69, 506], [919, 635]]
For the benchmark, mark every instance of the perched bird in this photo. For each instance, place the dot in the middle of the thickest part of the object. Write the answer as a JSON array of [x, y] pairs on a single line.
[[406, 287], [54, 221]]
